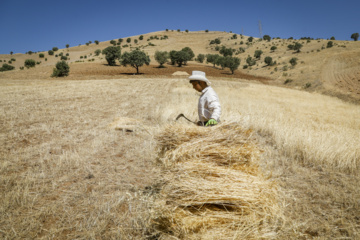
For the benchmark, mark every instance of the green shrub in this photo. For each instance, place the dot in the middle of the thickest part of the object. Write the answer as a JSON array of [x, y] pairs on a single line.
[[51, 52], [96, 42], [29, 63], [67, 45], [307, 85], [141, 37], [330, 44], [297, 47], [273, 48], [61, 69], [215, 41], [250, 61], [6, 67], [293, 61], [41, 55], [257, 54], [288, 81], [128, 40], [55, 49], [97, 52], [63, 58], [268, 60]]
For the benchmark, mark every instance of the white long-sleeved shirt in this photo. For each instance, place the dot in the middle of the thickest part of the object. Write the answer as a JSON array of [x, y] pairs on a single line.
[[209, 105]]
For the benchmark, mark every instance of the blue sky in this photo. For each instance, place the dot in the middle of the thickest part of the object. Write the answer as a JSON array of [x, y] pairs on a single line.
[[39, 25]]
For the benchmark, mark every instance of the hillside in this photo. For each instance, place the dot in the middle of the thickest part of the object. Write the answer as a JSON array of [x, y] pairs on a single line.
[[333, 71], [99, 155]]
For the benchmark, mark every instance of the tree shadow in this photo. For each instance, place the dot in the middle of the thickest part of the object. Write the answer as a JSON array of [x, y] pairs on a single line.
[[129, 74]]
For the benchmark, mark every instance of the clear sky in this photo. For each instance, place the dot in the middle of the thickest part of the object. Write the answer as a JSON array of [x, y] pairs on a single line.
[[40, 25]]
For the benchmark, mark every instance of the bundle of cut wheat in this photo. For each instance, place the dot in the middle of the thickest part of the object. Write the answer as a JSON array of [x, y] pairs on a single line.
[[213, 187]]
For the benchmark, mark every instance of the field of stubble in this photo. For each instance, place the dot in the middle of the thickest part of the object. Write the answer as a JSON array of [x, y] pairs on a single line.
[[65, 172]]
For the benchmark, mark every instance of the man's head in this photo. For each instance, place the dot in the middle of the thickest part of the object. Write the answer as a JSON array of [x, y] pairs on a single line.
[[198, 85], [199, 80]]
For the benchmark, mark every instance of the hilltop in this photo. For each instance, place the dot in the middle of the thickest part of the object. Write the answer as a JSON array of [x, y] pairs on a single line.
[[330, 70]]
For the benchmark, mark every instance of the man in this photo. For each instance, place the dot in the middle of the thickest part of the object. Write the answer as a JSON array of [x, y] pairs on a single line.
[[209, 108]]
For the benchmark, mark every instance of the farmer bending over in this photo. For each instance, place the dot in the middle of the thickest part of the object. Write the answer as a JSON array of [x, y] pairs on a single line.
[[209, 108]]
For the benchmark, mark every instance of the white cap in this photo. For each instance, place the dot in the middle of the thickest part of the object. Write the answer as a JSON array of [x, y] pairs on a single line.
[[198, 75]]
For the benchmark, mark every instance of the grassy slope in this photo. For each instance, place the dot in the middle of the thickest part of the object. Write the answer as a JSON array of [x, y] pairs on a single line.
[[333, 71]]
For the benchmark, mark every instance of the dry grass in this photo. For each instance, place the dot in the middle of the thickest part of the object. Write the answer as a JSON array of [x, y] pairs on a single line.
[[64, 174], [213, 187]]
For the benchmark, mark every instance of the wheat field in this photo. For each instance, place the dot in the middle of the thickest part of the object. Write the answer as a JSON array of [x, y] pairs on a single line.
[[66, 173]]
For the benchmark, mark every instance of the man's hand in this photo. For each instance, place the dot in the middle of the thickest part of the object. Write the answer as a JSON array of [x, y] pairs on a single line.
[[211, 122]]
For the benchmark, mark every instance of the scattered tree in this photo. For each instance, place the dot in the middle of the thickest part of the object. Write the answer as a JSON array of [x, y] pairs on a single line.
[[41, 55], [136, 59], [269, 61], [55, 49], [212, 58], [250, 39], [67, 45], [200, 58], [96, 42], [190, 53], [128, 40], [226, 51], [267, 38], [113, 42], [355, 36], [181, 57], [215, 41], [111, 54], [141, 37], [232, 63], [97, 52], [297, 47], [61, 69], [172, 56], [161, 57]]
